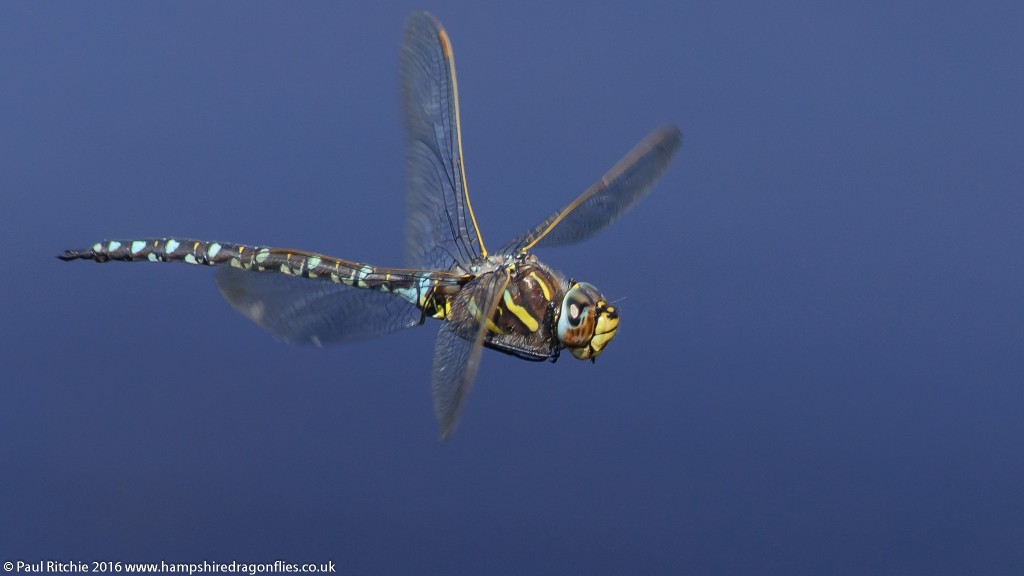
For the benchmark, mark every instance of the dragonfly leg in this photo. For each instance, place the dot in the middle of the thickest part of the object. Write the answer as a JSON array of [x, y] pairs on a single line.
[[549, 320]]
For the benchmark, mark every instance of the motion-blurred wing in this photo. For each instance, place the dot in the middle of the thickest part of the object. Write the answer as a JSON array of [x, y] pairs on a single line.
[[306, 311], [625, 184], [440, 226], [458, 347]]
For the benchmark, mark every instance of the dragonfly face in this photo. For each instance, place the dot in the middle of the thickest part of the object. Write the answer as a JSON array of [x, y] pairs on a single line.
[[506, 300], [587, 322]]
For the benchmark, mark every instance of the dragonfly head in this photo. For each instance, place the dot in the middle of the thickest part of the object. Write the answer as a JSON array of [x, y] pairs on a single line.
[[587, 322]]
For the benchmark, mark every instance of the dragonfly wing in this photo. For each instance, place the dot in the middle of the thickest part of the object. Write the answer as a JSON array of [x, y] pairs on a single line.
[[458, 348], [440, 227], [302, 311], [611, 196]]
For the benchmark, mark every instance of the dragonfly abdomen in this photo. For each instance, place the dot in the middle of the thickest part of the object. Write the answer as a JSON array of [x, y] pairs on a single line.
[[166, 250], [428, 290], [192, 251]]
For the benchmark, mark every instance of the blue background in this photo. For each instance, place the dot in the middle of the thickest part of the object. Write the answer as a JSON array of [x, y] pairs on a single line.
[[820, 364]]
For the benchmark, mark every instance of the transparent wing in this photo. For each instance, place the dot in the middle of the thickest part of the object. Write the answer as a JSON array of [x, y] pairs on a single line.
[[459, 345], [302, 311], [440, 227], [601, 204]]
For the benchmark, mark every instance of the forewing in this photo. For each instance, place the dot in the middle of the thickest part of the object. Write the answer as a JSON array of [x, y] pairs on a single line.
[[458, 348], [316, 312], [615, 193], [440, 226]]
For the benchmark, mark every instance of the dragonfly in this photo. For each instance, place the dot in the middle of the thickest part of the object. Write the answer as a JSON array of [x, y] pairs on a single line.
[[506, 299]]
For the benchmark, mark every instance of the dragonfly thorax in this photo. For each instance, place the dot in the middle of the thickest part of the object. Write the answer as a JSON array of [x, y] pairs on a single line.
[[540, 313], [587, 323]]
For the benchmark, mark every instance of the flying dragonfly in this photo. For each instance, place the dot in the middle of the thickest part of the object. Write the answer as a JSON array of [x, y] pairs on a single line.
[[506, 299]]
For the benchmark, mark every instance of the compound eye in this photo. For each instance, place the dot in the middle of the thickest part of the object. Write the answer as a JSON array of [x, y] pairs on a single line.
[[577, 322]]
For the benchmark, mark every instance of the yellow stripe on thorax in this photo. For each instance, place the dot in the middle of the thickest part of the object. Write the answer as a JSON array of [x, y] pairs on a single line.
[[522, 313], [475, 311], [543, 284]]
